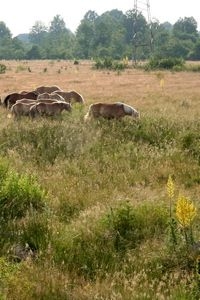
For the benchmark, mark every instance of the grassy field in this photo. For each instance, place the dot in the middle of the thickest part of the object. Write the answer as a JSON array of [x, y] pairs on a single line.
[[105, 209]]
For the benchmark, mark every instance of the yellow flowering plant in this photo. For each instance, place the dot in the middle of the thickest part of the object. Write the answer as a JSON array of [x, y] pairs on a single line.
[[170, 191], [185, 211], [170, 187]]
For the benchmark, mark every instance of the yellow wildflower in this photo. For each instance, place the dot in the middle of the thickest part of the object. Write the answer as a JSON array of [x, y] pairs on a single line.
[[170, 187], [162, 83], [185, 211]]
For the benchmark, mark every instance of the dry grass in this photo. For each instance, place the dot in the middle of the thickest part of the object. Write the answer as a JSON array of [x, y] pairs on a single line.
[[178, 95], [97, 167]]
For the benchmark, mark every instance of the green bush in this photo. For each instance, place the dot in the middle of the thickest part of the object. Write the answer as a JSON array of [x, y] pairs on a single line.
[[110, 64], [101, 248], [190, 142], [18, 194], [170, 63], [35, 231], [129, 226], [2, 68], [6, 270]]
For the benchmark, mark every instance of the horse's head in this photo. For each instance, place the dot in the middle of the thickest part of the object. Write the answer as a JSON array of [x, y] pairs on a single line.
[[130, 111], [135, 114], [67, 106]]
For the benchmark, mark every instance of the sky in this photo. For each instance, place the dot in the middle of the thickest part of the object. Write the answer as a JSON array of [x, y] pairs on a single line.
[[21, 15]]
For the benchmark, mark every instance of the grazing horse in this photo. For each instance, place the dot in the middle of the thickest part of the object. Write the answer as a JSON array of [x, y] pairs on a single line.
[[45, 96], [47, 100], [47, 89], [116, 110], [21, 109], [49, 109], [71, 96], [11, 99], [25, 100]]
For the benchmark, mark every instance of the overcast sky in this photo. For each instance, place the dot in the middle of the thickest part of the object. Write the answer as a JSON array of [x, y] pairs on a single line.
[[20, 15]]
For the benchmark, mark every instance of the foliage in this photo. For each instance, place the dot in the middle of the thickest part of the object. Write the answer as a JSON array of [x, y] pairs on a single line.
[[104, 230], [2, 68], [185, 211], [110, 64], [35, 231], [181, 224], [112, 34], [99, 247], [18, 194], [164, 63], [190, 142], [129, 226]]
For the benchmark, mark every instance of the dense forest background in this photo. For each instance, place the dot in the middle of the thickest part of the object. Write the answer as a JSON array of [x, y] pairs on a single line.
[[112, 34]]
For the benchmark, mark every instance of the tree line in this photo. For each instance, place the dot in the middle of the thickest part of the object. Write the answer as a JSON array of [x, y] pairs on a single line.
[[112, 34]]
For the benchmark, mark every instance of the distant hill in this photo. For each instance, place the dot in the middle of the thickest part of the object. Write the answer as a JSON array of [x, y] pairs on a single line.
[[24, 37]]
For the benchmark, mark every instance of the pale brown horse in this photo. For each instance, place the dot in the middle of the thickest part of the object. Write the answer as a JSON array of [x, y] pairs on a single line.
[[47, 89], [71, 96], [25, 100], [44, 96], [49, 109], [21, 109], [116, 110]]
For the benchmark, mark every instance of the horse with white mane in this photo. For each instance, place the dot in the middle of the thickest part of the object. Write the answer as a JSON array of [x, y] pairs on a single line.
[[115, 110]]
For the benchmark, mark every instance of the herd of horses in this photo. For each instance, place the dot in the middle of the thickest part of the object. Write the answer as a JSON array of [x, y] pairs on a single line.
[[51, 101]]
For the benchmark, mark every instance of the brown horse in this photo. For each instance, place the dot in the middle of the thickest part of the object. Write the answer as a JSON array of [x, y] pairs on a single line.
[[116, 110], [11, 99]]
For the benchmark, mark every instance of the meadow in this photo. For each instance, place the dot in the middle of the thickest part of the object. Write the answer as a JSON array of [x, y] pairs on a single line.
[[106, 209]]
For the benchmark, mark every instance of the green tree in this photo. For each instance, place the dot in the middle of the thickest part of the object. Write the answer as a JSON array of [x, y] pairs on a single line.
[[161, 39], [110, 34], [36, 52], [195, 53], [185, 29], [85, 35], [38, 33], [138, 34], [60, 40], [4, 32], [178, 48], [19, 51]]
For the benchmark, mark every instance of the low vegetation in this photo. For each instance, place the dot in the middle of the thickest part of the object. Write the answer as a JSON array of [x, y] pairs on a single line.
[[100, 210]]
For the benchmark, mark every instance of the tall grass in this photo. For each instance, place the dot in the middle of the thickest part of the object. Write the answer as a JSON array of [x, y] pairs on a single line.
[[89, 201]]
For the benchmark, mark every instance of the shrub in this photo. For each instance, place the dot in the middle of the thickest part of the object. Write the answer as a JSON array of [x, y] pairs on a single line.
[[191, 142], [2, 68], [6, 270], [110, 64], [18, 194], [129, 226], [35, 231], [170, 63], [101, 248]]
